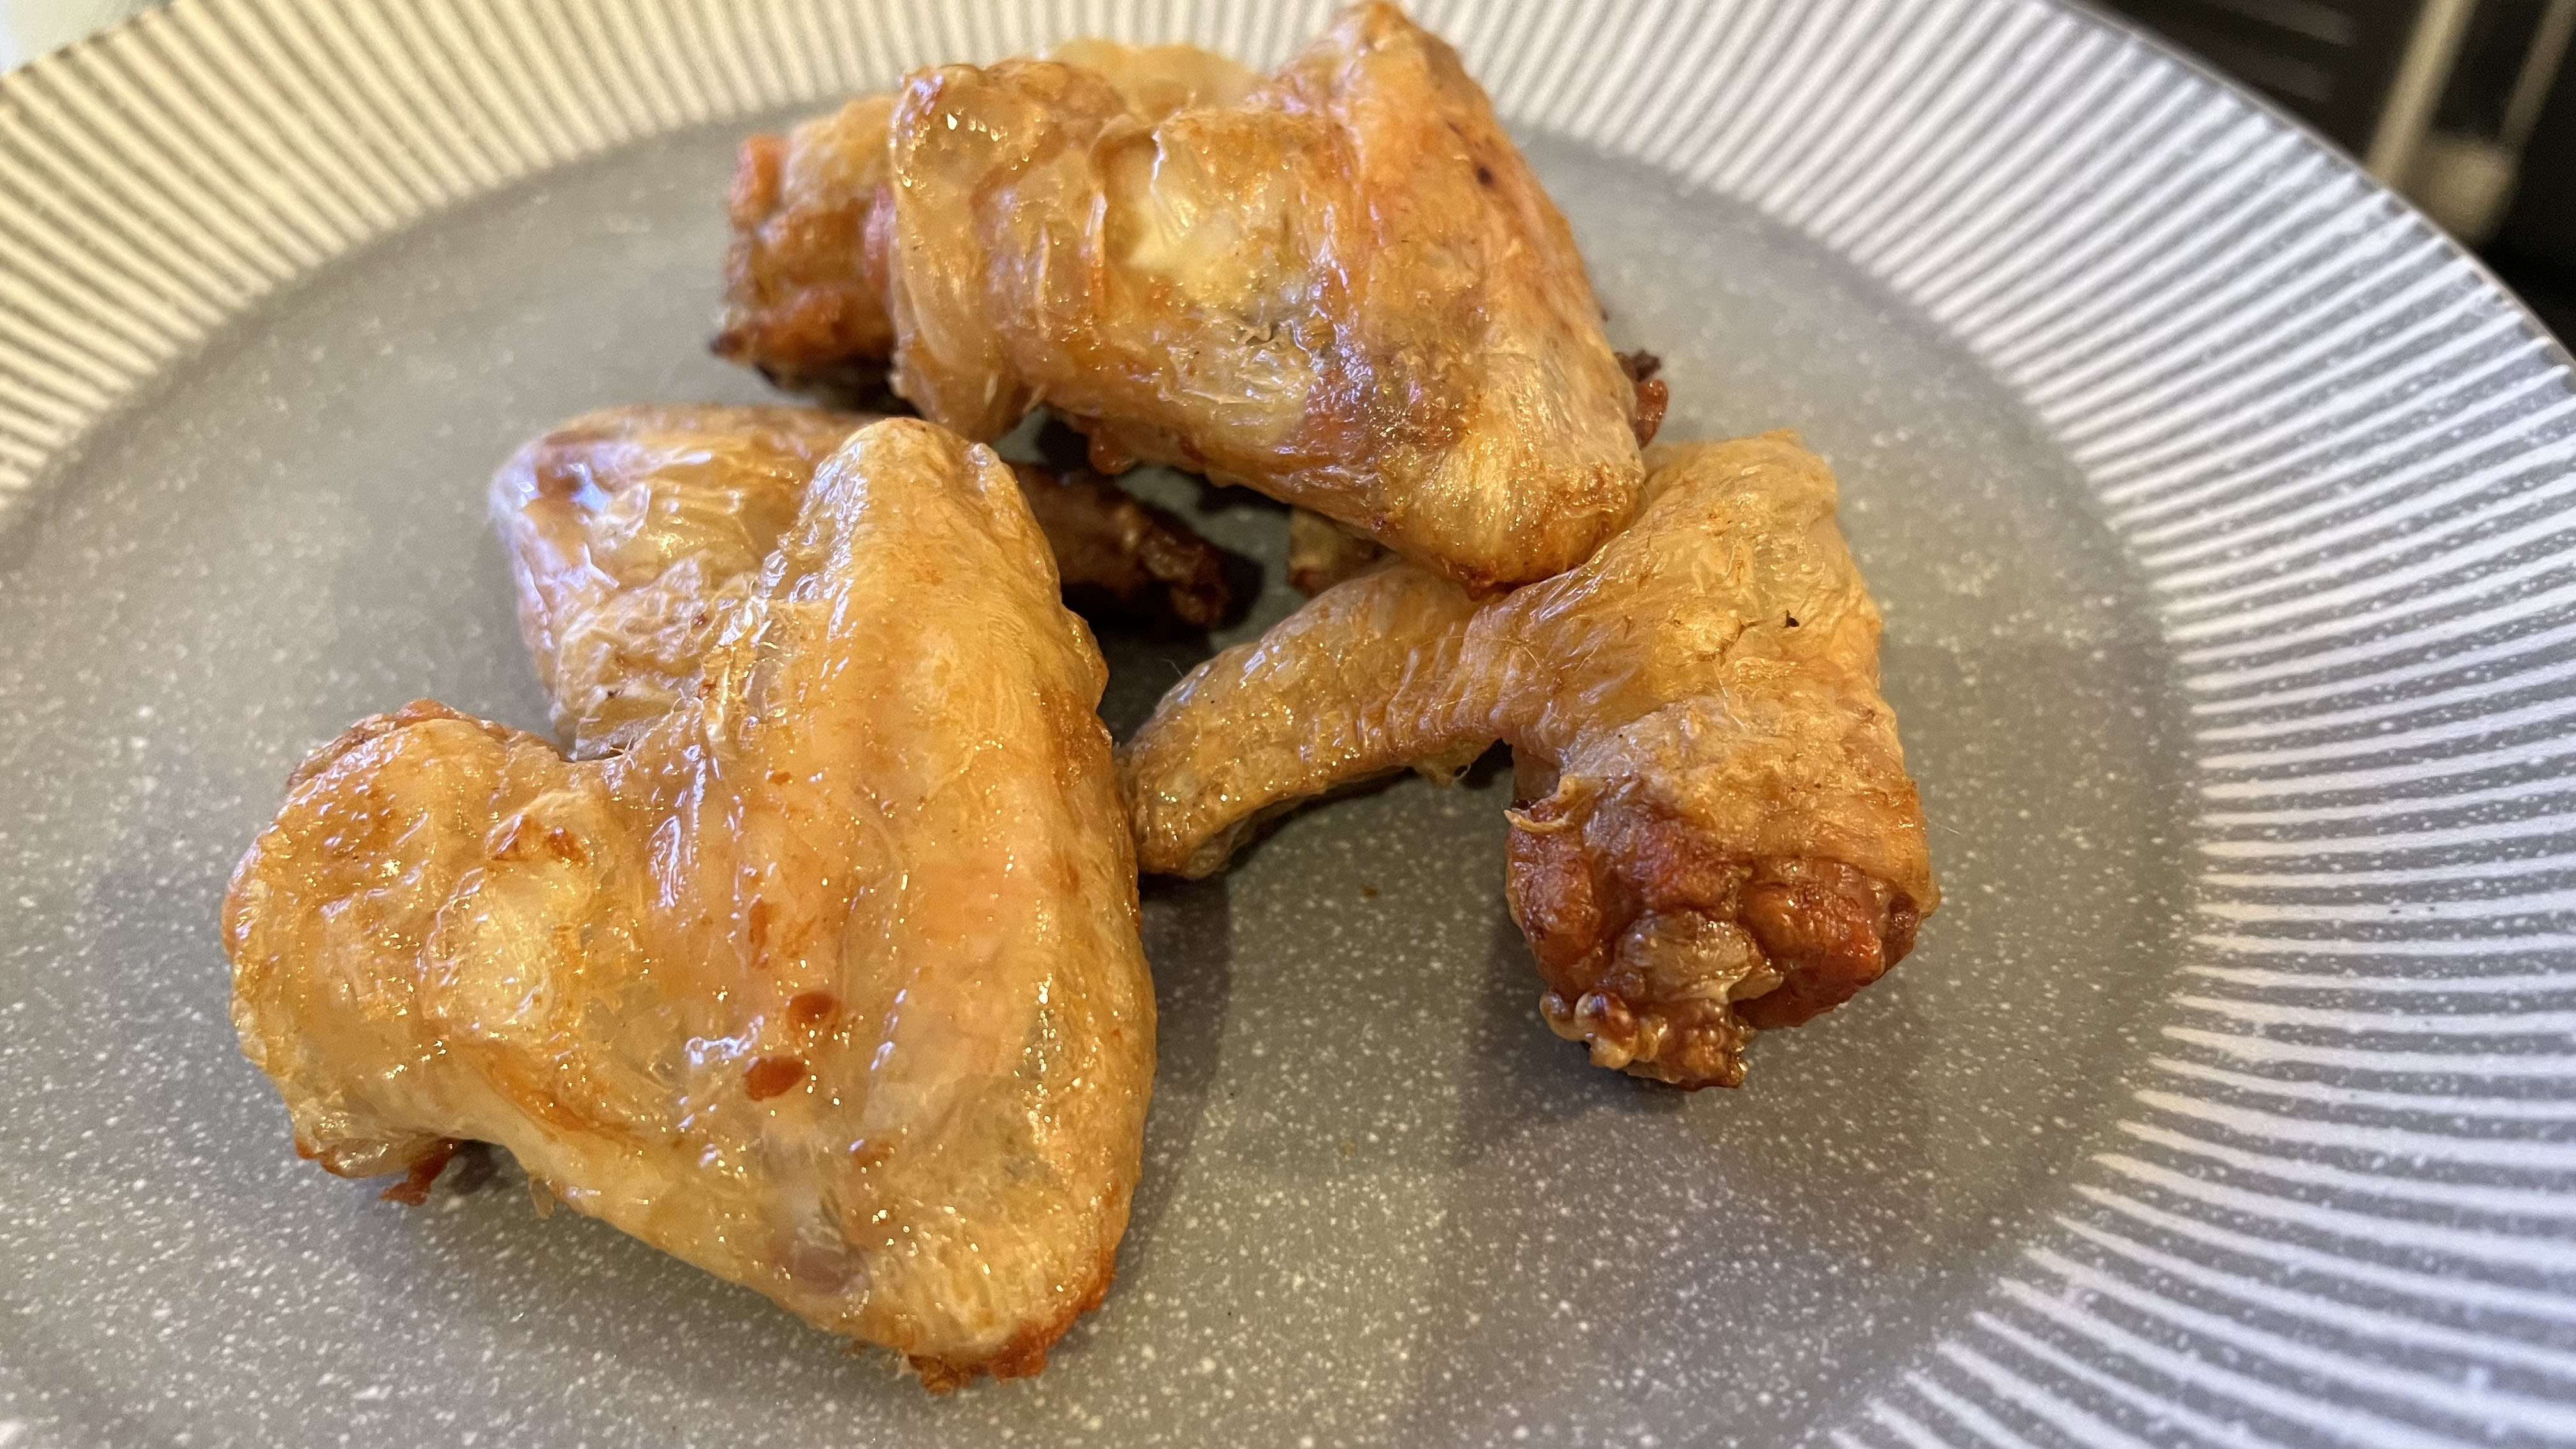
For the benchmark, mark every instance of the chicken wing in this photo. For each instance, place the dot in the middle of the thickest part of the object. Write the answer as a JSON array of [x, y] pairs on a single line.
[[829, 984], [1716, 834], [805, 274], [1344, 288], [635, 532], [812, 212]]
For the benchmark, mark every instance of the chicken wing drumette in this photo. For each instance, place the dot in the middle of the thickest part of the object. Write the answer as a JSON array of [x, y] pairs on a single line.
[[829, 983], [1342, 287], [635, 532], [1716, 834]]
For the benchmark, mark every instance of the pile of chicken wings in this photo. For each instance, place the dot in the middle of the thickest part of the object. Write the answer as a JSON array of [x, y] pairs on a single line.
[[808, 950]]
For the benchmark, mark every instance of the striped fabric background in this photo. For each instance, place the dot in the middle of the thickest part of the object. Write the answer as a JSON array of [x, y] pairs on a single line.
[[2346, 1211]]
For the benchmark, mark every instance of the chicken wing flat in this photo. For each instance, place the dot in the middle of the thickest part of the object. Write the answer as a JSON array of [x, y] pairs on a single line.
[[1716, 834], [830, 984], [635, 533], [1342, 287]]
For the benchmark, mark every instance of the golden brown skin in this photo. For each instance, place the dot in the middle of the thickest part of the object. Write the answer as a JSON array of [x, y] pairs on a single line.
[[1342, 286], [1716, 832], [805, 276], [811, 212], [634, 533], [829, 984]]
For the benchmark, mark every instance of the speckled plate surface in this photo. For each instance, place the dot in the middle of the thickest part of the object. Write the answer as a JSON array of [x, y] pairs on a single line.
[[2225, 523]]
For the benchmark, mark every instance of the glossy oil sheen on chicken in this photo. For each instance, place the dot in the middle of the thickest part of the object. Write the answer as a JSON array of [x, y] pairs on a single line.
[[829, 983], [634, 533], [1716, 832], [1340, 285]]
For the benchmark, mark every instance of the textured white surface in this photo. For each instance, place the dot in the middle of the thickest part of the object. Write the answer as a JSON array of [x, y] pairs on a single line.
[[29, 28]]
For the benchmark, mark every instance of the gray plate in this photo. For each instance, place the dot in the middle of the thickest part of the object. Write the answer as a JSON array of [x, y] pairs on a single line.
[[2220, 514]]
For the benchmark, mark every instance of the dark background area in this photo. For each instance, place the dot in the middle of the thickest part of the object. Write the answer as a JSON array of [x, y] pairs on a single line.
[[2331, 61], [2337, 65], [2536, 250]]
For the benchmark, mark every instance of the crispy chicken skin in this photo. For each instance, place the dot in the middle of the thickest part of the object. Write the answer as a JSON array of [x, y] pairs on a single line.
[[830, 984], [634, 533], [805, 274], [1716, 834], [1342, 287], [812, 212]]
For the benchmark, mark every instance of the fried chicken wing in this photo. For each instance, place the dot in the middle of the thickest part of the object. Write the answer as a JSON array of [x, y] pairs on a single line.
[[812, 215], [1341, 286], [829, 984], [635, 533], [805, 274], [1716, 834]]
